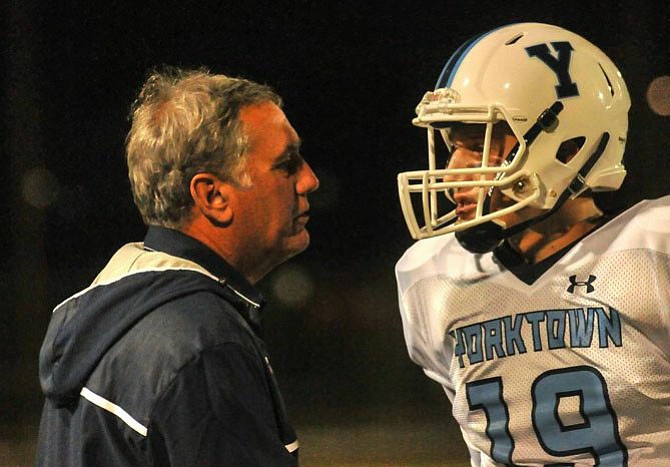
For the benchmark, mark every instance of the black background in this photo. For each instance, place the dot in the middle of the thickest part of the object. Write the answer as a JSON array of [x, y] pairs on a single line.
[[350, 73]]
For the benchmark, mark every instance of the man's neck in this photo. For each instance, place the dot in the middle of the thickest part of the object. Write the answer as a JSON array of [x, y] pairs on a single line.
[[573, 220], [234, 254]]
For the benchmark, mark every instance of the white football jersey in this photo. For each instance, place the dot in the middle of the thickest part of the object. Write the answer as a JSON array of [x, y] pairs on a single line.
[[573, 369]]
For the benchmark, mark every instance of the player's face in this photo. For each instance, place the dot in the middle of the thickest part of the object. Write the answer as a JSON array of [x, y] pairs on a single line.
[[467, 150], [274, 207]]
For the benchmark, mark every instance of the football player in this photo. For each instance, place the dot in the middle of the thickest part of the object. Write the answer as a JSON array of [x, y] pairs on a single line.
[[546, 322]]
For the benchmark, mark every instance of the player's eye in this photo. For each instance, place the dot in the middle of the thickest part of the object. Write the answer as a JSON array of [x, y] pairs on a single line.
[[470, 146], [474, 145]]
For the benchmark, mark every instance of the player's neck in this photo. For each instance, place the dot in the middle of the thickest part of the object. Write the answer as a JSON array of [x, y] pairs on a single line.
[[575, 219]]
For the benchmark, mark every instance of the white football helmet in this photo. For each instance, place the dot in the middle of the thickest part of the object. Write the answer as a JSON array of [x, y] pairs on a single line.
[[550, 86]]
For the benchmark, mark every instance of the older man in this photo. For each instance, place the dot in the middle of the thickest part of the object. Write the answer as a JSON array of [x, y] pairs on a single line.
[[159, 361]]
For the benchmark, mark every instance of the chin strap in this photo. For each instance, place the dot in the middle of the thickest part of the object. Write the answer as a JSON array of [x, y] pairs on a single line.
[[487, 236]]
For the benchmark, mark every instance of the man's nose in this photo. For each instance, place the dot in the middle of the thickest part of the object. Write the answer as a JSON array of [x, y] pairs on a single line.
[[308, 181], [457, 161]]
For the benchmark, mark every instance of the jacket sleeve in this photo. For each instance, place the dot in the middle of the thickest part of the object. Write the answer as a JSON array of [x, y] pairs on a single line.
[[217, 412]]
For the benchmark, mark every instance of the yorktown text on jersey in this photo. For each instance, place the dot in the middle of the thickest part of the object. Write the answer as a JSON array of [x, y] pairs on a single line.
[[537, 331]]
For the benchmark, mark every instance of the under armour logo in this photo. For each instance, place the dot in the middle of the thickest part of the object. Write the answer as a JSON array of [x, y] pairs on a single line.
[[587, 283]]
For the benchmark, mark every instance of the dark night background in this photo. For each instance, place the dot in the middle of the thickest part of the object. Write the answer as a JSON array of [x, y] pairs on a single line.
[[351, 73]]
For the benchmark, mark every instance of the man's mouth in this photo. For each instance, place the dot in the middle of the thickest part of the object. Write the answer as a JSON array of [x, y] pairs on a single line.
[[466, 209], [303, 217]]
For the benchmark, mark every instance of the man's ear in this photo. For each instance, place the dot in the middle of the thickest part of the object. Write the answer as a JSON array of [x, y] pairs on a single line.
[[211, 198]]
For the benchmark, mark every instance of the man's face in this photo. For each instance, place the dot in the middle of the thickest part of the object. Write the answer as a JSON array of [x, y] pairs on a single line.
[[272, 209], [467, 149]]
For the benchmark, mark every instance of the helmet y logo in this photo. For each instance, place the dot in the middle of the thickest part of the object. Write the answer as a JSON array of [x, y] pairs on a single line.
[[559, 64]]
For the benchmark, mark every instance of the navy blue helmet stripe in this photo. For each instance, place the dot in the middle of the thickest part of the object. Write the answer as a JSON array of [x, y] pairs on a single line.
[[451, 64], [449, 71]]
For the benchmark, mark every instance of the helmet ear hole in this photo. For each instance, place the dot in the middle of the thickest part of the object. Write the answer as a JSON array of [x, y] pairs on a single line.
[[568, 149]]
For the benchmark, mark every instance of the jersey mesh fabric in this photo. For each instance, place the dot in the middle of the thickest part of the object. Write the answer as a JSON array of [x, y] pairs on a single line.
[[596, 324]]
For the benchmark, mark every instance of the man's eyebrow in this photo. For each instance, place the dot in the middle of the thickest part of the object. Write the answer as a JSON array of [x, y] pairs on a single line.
[[290, 159], [292, 148]]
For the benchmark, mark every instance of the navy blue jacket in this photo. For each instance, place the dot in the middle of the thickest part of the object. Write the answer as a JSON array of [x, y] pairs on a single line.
[[159, 362]]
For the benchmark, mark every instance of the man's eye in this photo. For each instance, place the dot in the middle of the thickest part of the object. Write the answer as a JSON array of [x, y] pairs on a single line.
[[468, 146], [291, 165]]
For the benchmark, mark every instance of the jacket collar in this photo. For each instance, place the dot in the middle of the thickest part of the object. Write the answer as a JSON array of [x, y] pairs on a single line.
[[179, 244]]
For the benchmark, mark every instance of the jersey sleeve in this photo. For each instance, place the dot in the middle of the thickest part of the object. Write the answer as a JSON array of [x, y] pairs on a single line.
[[419, 339], [218, 411]]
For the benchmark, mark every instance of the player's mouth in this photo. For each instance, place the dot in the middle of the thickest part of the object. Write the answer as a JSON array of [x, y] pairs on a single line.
[[466, 210]]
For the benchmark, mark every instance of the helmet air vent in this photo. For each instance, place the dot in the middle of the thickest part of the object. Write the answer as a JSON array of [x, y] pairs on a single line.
[[609, 83], [514, 39]]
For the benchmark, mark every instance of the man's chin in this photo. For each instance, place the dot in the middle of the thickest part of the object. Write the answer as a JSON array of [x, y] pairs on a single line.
[[464, 218], [297, 243]]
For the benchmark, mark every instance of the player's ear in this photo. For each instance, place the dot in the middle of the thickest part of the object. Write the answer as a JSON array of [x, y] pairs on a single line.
[[211, 198]]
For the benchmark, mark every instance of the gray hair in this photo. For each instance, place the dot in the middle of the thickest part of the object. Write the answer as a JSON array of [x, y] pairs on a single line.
[[186, 122]]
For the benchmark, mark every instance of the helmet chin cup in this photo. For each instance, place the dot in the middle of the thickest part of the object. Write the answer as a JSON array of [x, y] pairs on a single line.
[[481, 238]]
